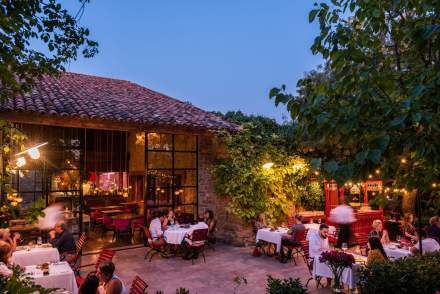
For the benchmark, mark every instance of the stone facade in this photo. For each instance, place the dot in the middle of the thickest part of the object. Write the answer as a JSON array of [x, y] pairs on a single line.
[[230, 229]]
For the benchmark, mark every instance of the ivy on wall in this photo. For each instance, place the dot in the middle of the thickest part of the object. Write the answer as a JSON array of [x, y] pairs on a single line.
[[251, 187]]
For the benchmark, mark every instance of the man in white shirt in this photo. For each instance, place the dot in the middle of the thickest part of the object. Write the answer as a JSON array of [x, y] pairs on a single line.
[[156, 229], [428, 244], [318, 241]]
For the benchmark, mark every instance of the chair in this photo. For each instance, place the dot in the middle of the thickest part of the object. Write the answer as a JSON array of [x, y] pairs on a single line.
[[309, 262], [138, 286], [296, 249], [362, 241], [154, 249], [333, 239], [79, 246], [104, 255], [198, 241], [96, 219], [137, 225], [263, 245], [121, 226], [108, 226]]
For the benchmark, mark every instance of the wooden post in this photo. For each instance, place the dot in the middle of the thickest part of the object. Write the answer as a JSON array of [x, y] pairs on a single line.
[[365, 194]]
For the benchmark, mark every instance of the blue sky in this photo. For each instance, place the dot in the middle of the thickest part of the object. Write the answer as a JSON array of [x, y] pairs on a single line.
[[219, 55]]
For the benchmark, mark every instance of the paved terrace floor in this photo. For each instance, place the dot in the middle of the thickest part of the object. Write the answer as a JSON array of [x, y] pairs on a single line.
[[215, 276]]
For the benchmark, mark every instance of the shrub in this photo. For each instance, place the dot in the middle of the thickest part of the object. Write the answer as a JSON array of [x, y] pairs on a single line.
[[419, 274], [284, 286], [19, 283]]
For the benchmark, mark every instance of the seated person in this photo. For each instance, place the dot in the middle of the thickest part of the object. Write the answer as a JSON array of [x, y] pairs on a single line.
[[156, 229], [290, 239], [62, 239], [318, 241], [376, 252], [5, 256], [433, 230], [379, 232], [170, 219], [90, 285], [110, 283], [5, 235], [260, 223], [208, 218], [408, 229], [428, 244]]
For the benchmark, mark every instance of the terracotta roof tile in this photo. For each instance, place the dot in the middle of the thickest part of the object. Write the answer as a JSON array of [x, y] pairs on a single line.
[[84, 96]]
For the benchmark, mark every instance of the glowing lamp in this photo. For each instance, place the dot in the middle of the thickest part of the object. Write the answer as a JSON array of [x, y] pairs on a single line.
[[34, 153], [21, 161], [268, 165]]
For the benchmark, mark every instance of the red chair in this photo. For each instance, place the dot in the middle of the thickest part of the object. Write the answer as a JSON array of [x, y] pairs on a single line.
[[108, 226], [296, 249], [154, 249], [138, 286], [137, 225], [309, 263], [79, 246], [96, 219], [104, 255], [121, 226], [198, 242], [362, 241]]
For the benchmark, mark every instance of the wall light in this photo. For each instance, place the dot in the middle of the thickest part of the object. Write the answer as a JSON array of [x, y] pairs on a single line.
[[34, 153], [21, 161], [267, 165]]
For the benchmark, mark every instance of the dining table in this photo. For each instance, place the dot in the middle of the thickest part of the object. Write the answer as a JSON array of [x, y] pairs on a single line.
[[60, 276], [126, 216], [112, 211], [273, 236], [109, 207], [395, 251], [349, 277], [176, 233], [30, 255]]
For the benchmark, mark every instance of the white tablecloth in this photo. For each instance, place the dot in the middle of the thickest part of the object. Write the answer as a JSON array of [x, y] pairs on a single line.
[[271, 236], [175, 234], [35, 256], [350, 276], [60, 276], [315, 227], [393, 252]]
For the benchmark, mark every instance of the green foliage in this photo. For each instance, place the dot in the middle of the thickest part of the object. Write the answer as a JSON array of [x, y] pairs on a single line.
[[285, 286], [25, 25], [239, 280], [254, 189], [19, 283], [35, 210], [376, 101], [182, 291], [410, 275]]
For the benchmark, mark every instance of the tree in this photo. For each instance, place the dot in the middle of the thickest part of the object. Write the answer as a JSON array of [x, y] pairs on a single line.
[[29, 24], [378, 106]]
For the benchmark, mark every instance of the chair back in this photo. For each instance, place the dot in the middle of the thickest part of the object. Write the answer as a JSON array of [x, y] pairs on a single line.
[[199, 235], [80, 243], [305, 248], [122, 224], [138, 286], [138, 222], [105, 255], [107, 221], [301, 235], [147, 234]]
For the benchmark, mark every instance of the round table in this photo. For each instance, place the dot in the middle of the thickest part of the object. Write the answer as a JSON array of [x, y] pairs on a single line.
[[36, 255], [394, 253], [175, 234]]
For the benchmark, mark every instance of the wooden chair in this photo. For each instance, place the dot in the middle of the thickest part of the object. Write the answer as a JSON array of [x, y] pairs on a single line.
[[154, 249], [199, 238], [79, 246], [309, 263], [296, 249], [104, 255], [138, 286]]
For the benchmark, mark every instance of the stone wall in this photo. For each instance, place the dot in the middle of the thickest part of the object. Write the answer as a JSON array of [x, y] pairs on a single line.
[[230, 229]]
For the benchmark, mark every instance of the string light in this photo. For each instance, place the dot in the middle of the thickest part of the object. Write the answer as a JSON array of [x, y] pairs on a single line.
[[377, 171], [316, 173], [434, 185], [21, 161], [403, 160], [370, 176]]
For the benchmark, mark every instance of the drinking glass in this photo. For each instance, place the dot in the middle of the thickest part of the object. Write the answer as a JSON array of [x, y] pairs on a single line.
[[398, 238]]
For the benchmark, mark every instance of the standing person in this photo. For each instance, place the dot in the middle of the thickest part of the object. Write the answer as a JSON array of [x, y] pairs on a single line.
[[208, 218], [111, 283], [291, 238], [379, 232], [62, 239], [408, 229], [343, 215], [428, 244], [376, 252], [5, 235]]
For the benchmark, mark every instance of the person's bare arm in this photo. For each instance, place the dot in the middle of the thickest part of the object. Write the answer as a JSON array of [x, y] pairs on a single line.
[[114, 287]]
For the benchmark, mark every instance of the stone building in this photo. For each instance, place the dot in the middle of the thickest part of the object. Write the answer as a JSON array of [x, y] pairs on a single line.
[[111, 143]]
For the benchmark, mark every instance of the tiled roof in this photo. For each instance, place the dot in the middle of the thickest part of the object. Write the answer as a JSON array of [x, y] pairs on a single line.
[[91, 97]]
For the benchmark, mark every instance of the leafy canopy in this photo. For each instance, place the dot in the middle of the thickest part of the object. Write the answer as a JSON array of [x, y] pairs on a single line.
[[376, 103], [29, 24], [252, 188]]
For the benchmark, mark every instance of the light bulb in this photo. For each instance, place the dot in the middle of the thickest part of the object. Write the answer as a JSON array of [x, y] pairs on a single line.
[[267, 165], [21, 161], [34, 153]]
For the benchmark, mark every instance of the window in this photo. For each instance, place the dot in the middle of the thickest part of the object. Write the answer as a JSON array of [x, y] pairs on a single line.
[[171, 174]]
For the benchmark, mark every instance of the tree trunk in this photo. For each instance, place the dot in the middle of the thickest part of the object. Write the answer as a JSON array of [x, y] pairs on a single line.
[[409, 202]]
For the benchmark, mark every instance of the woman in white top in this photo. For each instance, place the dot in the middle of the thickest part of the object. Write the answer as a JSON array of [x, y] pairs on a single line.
[[5, 255], [110, 283]]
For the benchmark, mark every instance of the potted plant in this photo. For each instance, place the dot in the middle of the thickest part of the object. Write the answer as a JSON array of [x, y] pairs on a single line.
[[337, 261]]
